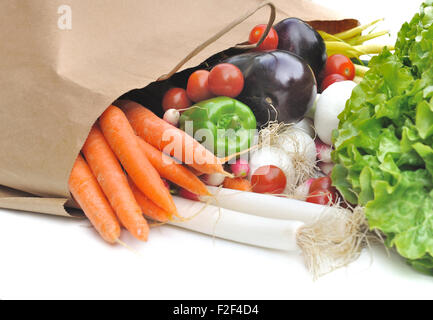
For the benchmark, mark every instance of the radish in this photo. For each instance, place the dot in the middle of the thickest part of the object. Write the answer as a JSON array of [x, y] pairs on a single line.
[[172, 116], [330, 104], [166, 184], [323, 151], [326, 168], [240, 168], [188, 195], [214, 179], [324, 247], [270, 155]]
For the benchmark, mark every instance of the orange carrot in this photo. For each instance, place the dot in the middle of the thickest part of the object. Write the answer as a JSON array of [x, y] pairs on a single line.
[[123, 141], [237, 184], [148, 208], [170, 139], [171, 170], [86, 191], [106, 168], [196, 172]]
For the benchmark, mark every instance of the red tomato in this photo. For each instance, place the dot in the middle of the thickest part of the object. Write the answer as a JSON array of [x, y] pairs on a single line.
[[331, 79], [269, 179], [226, 79], [340, 64], [198, 86], [270, 42], [323, 183], [322, 196], [175, 98]]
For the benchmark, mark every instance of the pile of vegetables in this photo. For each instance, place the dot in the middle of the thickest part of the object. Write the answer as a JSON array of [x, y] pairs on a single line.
[[249, 136], [273, 87], [383, 146]]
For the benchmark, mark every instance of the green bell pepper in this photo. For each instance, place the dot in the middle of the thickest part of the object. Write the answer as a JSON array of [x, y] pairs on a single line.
[[223, 125]]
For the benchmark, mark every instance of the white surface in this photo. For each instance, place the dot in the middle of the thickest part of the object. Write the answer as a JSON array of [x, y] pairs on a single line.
[[49, 257]]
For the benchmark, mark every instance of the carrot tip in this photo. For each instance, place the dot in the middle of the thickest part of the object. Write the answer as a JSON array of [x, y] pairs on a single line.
[[123, 244], [176, 215]]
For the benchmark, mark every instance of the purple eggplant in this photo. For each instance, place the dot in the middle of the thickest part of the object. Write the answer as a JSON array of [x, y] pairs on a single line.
[[278, 85], [296, 36]]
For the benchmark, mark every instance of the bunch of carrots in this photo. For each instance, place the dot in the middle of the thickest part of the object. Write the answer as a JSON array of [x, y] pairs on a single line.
[[117, 178]]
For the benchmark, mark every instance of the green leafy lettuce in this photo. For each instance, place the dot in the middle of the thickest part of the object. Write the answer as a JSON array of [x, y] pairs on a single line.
[[384, 144]]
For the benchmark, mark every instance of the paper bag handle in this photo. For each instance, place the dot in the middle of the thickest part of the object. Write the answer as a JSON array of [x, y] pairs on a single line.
[[223, 32]]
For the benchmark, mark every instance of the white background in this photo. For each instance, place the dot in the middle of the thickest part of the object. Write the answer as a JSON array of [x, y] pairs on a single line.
[[49, 257]]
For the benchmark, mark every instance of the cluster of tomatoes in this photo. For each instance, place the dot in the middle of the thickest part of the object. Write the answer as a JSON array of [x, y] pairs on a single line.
[[224, 79], [338, 68]]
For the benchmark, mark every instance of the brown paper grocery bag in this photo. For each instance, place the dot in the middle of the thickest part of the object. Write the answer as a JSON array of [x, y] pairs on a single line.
[[64, 61]]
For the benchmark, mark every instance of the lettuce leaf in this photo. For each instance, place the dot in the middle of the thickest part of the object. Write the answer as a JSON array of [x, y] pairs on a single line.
[[384, 144]]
